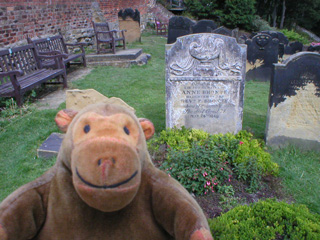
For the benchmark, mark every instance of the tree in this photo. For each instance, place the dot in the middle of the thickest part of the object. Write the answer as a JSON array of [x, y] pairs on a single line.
[[239, 13]]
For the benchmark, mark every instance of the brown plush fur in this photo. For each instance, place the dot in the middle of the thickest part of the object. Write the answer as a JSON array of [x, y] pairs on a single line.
[[103, 186]]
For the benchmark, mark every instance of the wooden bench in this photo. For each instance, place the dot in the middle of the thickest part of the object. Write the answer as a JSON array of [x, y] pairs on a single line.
[[106, 36], [57, 43], [20, 71]]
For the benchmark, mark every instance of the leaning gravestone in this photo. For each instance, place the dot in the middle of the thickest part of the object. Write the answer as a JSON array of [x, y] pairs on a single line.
[[228, 32], [205, 83], [204, 26], [262, 54], [129, 20], [294, 102], [179, 26]]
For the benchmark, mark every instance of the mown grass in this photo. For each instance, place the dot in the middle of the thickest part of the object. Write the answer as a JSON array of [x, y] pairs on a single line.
[[143, 87]]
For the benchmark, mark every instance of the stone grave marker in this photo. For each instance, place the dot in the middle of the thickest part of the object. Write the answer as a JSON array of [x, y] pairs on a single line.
[[77, 99], [293, 48], [179, 26], [294, 102], [261, 55], [205, 83], [130, 20], [204, 26], [228, 32], [283, 40]]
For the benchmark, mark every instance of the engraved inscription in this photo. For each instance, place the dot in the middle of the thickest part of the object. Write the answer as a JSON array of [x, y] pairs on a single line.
[[204, 99]]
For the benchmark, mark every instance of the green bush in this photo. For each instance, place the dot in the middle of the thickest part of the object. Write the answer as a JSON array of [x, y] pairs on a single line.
[[294, 36], [238, 13], [200, 170], [260, 24], [267, 220], [204, 162], [203, 9]]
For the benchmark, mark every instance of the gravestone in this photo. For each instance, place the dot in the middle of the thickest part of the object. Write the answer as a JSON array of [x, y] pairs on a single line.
[[262, 54], [228, 32], [77, 99], [293, 48], [294, 102], [204, 26], [129, 20], [205, 83], [283, 40], [179, 26]]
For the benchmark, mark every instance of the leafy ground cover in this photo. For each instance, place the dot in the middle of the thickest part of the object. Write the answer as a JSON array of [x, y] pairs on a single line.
[[143, 87]]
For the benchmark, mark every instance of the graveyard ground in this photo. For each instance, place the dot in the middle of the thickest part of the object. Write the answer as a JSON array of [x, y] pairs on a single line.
[[23, 130]]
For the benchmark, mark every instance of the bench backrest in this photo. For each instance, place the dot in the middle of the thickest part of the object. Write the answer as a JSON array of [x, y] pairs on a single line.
[[102, 27], [18, 58], [49, 44]]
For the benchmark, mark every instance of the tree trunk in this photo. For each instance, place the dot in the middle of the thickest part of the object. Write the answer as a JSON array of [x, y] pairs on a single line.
[[283, 13], [274, 16]]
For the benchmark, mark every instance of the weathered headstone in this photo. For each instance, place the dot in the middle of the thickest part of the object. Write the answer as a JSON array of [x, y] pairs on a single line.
[[129, 20], [228, 32], [283, 40], [262, 54], [179, 26], [294, 102], [204, 26], [205, 83], [293, 48], [77, 99]]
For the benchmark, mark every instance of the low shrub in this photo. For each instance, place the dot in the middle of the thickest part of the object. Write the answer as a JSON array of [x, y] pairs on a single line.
[[260, 24], [206, 163], [294, 36], [267, 219]]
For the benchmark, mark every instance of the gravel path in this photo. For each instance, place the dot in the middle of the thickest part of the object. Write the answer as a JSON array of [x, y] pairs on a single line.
[[54, 99]]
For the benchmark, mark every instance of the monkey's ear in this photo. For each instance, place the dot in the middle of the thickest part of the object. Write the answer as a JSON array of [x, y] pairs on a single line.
[[147, 127], [64, 118]]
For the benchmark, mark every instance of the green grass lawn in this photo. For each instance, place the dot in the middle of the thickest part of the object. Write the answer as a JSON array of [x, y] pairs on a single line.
[[143, 87]]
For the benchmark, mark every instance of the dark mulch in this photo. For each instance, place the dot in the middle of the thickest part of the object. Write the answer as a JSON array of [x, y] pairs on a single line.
[[214, 204]]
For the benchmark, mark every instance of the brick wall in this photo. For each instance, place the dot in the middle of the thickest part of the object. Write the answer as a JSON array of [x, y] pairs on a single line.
[[22, 18]]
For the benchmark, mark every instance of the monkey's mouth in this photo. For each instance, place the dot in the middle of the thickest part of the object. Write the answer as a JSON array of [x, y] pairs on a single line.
[[106, 186]]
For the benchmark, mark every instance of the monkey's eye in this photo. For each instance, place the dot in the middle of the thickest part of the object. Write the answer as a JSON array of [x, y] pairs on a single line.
[[86, 128], [126, 130]]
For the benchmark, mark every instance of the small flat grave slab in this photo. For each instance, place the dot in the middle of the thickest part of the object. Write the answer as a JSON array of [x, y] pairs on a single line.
[[122, 58], [205, 83], [294, 103], [50, 147]]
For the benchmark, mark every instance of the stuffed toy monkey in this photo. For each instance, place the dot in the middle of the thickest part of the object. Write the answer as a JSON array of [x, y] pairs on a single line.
[[103, 186]]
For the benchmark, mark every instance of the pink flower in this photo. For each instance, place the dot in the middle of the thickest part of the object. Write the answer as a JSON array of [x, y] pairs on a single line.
[[204, 174], [241, 142], [208, 183], [221, 169], [215, 183], [169, 175]]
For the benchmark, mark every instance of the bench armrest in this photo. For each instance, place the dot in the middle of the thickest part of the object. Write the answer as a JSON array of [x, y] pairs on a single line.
[[98, 32], [80, 45], [53, 54], [56, 56], [76, 44], [13, 79], [17, 73]]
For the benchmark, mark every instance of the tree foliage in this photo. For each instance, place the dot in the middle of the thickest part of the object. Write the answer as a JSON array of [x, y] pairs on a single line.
[[241, 13], [230, 13]]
